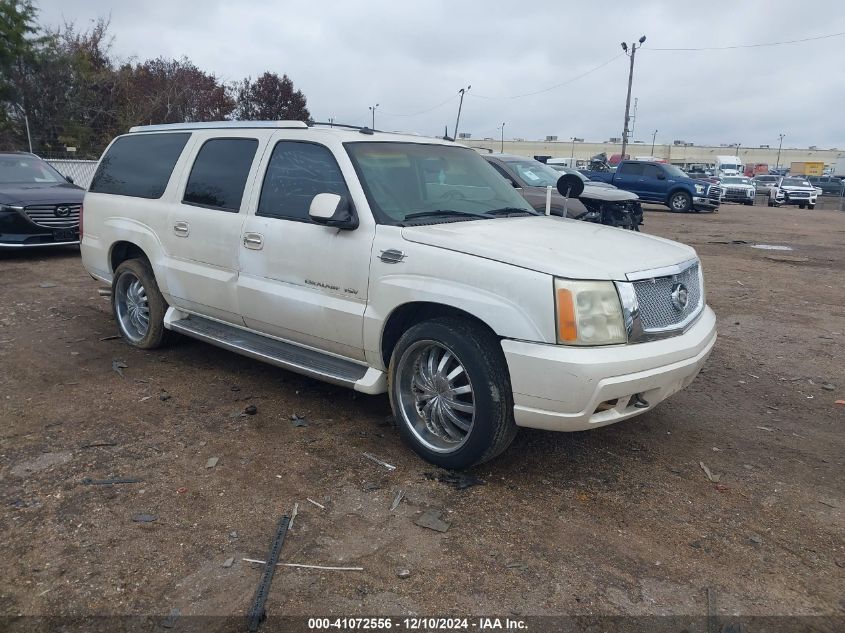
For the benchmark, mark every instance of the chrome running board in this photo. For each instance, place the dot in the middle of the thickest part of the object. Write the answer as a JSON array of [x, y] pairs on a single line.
[[301, 360]]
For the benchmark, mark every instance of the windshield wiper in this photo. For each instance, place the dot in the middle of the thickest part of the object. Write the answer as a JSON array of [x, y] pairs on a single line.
[[444, 213], [512, 211]]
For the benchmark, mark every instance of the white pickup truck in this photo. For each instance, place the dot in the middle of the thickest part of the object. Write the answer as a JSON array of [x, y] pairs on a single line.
[[392, 263]]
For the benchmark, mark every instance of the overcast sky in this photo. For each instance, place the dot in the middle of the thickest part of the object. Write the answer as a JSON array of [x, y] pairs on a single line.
[[411, 56]]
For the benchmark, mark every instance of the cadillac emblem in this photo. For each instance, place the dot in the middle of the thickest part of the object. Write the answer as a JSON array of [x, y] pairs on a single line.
[[680, 296]]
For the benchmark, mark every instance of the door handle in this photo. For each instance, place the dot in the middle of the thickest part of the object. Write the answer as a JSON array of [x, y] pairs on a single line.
[[182, 229], [255, 241]]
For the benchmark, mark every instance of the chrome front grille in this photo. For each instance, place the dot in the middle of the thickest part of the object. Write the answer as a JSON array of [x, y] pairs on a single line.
[[714, 193], [798, 194], [736, 192], [654, 297], [54, 216]]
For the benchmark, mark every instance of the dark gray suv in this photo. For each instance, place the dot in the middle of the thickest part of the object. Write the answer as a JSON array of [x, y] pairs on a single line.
[[38, 206]]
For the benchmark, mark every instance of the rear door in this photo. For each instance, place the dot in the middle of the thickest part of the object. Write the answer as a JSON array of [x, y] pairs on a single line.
[[629, 176], [300, 281], [203, 233]]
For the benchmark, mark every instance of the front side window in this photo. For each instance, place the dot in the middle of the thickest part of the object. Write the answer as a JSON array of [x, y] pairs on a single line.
[[296, 173], [139, 165], [650, 171], [410, 182], [219, 174]]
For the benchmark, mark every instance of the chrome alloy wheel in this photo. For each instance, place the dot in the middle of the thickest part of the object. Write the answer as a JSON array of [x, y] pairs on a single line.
[[435, 396], [132, 307]]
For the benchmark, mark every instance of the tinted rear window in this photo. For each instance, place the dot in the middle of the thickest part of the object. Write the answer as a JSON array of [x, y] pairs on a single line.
[[219, 174], [139, 165]]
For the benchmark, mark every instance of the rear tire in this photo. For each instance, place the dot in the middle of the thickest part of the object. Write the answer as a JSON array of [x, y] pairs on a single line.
[[451, 393], [138, 306], [680, 202]]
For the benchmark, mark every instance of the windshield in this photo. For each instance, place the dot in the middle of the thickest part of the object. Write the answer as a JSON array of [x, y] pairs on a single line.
[[406, 179], [675, 172], [27, 170], [533, 173], [735, 180], [795, 182], [732, 166]]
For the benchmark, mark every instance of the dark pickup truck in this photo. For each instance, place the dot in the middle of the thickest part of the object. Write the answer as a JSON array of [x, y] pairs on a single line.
[[660, 183]]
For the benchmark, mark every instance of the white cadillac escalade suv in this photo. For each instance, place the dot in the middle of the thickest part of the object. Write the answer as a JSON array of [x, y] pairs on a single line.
[[392, 263]]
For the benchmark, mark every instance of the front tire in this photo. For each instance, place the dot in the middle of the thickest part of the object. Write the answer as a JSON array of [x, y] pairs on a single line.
[[451, 394], [811, 206], [802, 206], [138, 306], [680, 202]]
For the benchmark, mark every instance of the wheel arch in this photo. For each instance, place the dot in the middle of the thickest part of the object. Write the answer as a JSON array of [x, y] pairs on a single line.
[[124, 250], [410, 314]]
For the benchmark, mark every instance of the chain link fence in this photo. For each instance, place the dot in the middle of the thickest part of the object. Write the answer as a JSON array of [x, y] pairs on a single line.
[[82, 171]]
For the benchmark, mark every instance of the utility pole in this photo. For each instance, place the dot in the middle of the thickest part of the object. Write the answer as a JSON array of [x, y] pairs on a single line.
[[634, 119], [503, 138], [632, 54], [373, 111], [460, 105], [653, 136], [780, 145]]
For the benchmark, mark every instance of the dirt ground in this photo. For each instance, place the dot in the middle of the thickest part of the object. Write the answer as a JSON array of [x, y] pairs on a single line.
[[620, 520]]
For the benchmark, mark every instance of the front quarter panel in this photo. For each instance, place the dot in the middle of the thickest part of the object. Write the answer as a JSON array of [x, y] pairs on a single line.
[[514, 302]]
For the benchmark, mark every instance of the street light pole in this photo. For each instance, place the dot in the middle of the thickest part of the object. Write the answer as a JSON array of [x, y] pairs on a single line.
[[653, 136], [780, 145], [572, 153], [460, 105], [503, 138], [26, 122], [632, 54], [373, 111]]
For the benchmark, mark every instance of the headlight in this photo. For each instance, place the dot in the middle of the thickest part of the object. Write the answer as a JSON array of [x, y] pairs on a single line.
[[588, 313], [699, 189]]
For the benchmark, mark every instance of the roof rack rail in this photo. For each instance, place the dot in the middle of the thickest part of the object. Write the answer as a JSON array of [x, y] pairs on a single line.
[[213, 125], [362, 129]]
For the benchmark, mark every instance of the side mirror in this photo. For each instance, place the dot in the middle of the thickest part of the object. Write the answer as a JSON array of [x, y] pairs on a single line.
[[330, 209], [661, 176], [69, 179]]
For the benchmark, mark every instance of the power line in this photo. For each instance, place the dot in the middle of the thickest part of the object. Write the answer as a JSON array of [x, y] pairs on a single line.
[[725, 48], [560, 85], [442, 103]]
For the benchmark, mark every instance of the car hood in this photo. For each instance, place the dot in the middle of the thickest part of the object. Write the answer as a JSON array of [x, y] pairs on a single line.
[[796, 188], [553, 245], [24, 195]]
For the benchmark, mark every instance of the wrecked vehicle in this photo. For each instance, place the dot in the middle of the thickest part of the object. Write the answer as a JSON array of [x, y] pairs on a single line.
[[392, 263], [597, 202]]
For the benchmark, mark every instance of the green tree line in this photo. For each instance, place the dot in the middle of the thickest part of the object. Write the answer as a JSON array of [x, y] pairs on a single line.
[[74, 93]]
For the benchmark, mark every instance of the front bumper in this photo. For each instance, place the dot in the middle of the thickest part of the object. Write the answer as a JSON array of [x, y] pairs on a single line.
[[703, 202], [17, 231], [782, 200], [562, 388]]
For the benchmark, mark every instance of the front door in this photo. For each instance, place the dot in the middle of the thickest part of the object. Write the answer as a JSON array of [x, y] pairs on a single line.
[[203, 233], [301, 281]]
